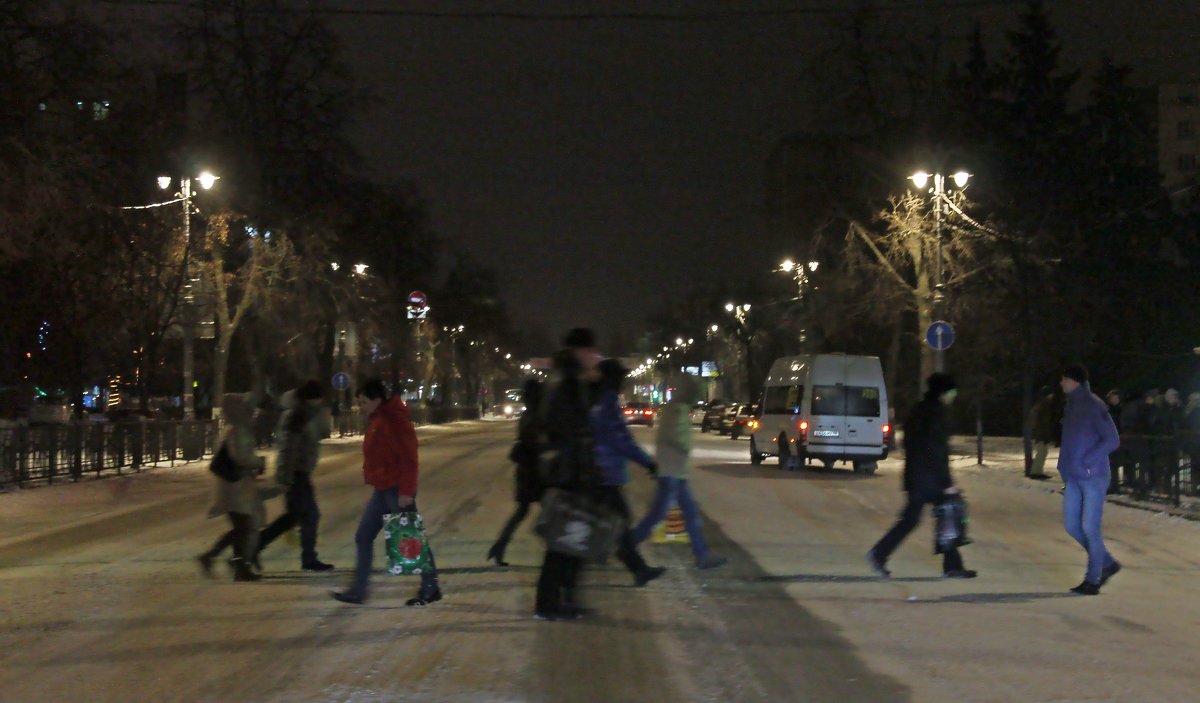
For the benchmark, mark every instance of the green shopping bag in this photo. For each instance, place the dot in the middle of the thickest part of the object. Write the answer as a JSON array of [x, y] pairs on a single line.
[[406, 543]]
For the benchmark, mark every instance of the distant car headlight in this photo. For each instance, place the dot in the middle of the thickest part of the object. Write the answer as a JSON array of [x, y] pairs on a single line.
[[508, 410]]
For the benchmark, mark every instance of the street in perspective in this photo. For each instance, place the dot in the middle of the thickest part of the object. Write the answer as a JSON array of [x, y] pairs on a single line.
[[514, 351]]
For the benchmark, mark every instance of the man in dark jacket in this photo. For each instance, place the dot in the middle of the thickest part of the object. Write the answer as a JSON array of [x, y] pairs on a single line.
[[1089, 436], [614, 446], [926, 474], [570, 464], [300, 431], [1044, 428]]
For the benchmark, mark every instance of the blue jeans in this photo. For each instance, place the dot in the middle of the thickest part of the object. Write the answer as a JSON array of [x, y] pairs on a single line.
[[1083, 507], [676, 490], [381, 503]]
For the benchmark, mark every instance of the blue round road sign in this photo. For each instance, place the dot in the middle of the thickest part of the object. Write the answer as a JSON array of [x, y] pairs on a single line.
[[940, 335], [341, 381]]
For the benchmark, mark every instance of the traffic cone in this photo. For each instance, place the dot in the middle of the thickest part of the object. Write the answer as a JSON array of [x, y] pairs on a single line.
[[672, 529]]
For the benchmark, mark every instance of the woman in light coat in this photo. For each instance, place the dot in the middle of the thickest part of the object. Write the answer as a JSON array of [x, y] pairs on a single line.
[[239, 499]]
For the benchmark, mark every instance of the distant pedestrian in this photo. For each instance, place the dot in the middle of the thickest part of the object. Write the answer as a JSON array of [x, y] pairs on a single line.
[[301, 428], [1120, 458], [1173, 414], [673, 448], [239, 500], [615, 446], [1044, 429], [570, 463], [1089, 436], [927, 478], [390, 467], [525, 453], [1115, 408]]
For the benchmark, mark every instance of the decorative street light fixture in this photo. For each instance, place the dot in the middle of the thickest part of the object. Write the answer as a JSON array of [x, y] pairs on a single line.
[[206, 181], [940, 200]]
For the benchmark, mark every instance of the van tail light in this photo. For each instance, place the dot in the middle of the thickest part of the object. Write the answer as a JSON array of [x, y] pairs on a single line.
[[803, 427], [887, 434]]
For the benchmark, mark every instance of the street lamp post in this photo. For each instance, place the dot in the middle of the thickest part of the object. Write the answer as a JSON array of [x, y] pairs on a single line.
[[921, 179], [206, 181], [739, 314], [801, 273]]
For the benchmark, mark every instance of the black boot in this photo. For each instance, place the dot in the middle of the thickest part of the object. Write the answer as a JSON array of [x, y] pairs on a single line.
[[242, 570], [496, 554]]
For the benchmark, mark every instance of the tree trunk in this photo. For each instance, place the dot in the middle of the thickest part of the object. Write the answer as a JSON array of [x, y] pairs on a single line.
[[220, 367]]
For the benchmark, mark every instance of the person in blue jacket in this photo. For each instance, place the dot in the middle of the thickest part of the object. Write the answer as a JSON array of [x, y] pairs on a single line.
[[613, 447], [1088, 437]]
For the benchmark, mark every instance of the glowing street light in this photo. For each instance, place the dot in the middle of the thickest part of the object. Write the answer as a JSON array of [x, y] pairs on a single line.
[[940, 201]]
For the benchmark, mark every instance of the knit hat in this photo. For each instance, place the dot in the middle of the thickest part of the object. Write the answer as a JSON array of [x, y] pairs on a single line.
[[580, 338], [311, 390], [940, 384], [1076, 372]]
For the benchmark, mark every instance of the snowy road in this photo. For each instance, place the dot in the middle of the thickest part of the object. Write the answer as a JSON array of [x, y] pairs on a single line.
[[100, 599]]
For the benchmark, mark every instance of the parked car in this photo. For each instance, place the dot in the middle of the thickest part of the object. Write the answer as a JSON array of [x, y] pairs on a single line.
[[714, 410], [696, 414], [51, 412], [638, 413], [744, 422], [725, 421], [829, 407]]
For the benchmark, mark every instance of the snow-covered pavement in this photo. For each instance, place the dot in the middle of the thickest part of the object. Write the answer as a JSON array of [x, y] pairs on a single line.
[[101, 600]]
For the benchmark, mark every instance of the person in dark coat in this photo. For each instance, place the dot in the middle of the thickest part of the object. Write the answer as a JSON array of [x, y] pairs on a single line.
[[1044, 430], [300, 431], [525, 454], [926, 474], [570, 466], [1089, 437], [614, 447]]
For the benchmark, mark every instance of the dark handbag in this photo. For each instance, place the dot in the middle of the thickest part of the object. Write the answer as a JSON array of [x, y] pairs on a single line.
[[224, 466], [950, 524], [576, 525]]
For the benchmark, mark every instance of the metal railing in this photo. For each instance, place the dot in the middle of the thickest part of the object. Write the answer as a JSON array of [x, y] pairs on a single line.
[[49, 453], [1158, 468]]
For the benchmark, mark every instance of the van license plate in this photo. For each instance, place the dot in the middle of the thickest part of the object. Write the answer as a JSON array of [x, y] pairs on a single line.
[[825, 433]]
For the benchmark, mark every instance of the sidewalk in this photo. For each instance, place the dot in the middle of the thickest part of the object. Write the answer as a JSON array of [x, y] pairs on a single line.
[[1004, 457]]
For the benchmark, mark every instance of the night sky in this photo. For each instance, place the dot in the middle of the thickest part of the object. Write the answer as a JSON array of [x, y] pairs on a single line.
[[601, 165]]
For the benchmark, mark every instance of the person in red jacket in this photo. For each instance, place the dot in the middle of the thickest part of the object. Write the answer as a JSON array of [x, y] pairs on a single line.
[[390, 468]]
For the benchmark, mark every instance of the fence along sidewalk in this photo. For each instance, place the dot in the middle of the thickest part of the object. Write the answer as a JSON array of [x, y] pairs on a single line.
[[46, 453]]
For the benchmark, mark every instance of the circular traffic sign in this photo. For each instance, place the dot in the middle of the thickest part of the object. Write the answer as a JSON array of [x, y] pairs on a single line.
[[341, 381], [940, 335], [417, 299]]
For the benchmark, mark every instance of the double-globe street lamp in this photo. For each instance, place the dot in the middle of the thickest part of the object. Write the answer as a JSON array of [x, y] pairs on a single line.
[[206, 180], [921, 179], [801, 274]]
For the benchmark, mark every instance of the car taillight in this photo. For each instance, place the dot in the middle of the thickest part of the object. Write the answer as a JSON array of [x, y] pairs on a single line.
[[647, 412], [628, 411]]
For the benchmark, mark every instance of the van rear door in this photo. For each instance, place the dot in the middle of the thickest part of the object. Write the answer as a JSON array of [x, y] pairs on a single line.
[[827, 428], [864, 426]]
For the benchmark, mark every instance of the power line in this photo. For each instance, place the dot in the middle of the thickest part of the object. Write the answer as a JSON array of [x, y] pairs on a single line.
[[701, 16]]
